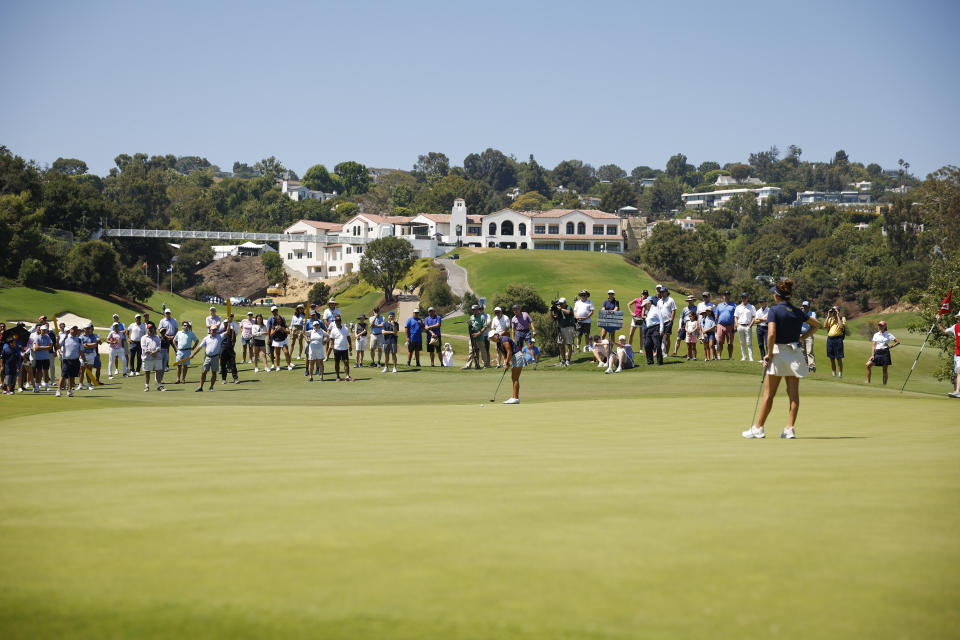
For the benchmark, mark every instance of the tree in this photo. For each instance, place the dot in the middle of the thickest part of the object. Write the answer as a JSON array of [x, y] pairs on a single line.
[[431, 167], [841, 159], [189, 164], [318, 178], [440, 196], [273, 264], [243, 170], [740, 172], [620, 194], [610, 172], [522, 294], [93, 267], [534, 178], [575, 175], [531, 201], [709, 165], [18, 175], [354, 176], [134, 284], [20, 234], [69, 166], [385, 262], [319, 293], [32, 273], [270, 168], [491, 167], [677, 166], [663, 196], [193, 256]]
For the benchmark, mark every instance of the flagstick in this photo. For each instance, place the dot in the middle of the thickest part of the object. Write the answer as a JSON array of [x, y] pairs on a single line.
[[918, 355]]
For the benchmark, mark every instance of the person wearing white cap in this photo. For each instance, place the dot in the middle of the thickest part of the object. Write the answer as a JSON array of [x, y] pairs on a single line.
[[376, 337], [621, 355], [743, 314], [567, 326], [125, 343], [499, 323], [167, 328], [296, 330], [583, 312], [117, 354], [135, 332], [211, 344], [610, 304], [71, 353], [246, 336], [152, 362], [277, 331], [183, 342], [953, 332], [432, 325], [329, 314], [447, 355]]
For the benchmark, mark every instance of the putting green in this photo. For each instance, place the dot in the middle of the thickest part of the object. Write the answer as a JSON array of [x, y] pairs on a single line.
[[601, 507]]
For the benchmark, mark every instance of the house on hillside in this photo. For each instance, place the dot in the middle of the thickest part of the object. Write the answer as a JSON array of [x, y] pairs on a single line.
[[296, 191], [726, 181], [841, 198], [717, 199]]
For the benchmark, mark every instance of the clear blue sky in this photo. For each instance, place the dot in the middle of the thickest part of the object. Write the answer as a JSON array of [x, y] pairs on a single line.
[[380, 82]]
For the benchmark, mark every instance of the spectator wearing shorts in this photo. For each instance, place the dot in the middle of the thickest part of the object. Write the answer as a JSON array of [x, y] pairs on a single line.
[[836, 327], [41, 345], [708, 335], [726, 324], [432, 323], [583, 312], [636, 316], [360, 337], [91, 353], [953, 332], [316, 345], [152, 361], [211, 345], [329, 314], [118, 354], [277, 333], [183, 343], [389, 332], [296, 331], [621, 355], [341, 340], [499, 323], [691, 333], [414, 330], [447, 355], [258, 340], [376, 338], [246, 337], [71, 352]]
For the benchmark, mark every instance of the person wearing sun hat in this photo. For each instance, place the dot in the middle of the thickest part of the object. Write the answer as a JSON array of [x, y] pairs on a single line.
[[360, 337], [583, 312], [953, 332], [432, 325]]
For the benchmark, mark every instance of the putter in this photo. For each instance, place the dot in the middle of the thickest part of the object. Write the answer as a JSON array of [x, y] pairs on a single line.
[[756, 406], [502, 376]]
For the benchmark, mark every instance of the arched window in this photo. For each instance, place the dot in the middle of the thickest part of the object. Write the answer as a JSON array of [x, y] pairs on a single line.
[[506, 228], [493, 229], [581, 229], [521, 229], [569, 228]]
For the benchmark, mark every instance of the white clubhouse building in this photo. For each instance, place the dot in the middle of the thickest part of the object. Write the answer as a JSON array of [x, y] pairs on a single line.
[[330, 250]]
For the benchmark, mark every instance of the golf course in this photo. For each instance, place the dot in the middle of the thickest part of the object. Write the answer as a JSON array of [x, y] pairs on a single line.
[[409, 505]]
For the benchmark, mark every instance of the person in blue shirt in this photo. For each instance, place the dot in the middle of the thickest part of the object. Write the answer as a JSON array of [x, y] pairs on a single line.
[[91, 352], [376, 337], [71, 352], [531, 352], [12, 360], [785, 358], [414, 330], [621, 355], [432, 326], [726, 328]]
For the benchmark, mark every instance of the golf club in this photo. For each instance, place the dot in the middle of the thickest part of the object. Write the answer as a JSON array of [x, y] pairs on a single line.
[[502, 376], [756, 406]]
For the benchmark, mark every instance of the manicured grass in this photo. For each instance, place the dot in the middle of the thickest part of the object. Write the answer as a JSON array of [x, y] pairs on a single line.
[[554, 272], [22, 303], [397, 506]]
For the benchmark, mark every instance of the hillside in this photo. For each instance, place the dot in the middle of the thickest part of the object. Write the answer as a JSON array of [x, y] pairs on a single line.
[[21, 303], [242, 276]]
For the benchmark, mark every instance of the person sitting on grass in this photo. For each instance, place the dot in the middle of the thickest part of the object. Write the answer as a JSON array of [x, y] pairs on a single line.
[[880, 355], [600, 351], [622, 356], [531, 352], [508, 349], [342, 344], [211, 345]]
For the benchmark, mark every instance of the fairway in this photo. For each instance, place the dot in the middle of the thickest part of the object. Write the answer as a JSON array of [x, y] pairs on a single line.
[[397, 506]]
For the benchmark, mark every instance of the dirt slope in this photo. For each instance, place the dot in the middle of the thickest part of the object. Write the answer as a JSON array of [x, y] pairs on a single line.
[[242, 276]]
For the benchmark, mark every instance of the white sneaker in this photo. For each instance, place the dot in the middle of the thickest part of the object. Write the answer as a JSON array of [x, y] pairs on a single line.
[[743, 359], [384, 370], [599, 365], [840, 374], [256, 370], [89, 387], [146, 389], [833, 374], [394, 369], [618, 370], [58, 393], [609, 370], [289, 367], [512, 401], [45, 386], [109, 377], [754, 432], [69, 394], [788, 433]]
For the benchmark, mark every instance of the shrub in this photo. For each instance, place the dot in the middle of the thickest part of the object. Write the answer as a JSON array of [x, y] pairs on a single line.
[[202, 290], [32, 273], [273, 264], [93, 267], [319, 293], [468, 301], [134, 284], [546, 333], [436, 293], [521, 294]]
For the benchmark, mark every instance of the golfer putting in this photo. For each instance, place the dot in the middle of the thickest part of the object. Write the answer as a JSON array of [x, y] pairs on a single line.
[[507, 348], [784, 359]]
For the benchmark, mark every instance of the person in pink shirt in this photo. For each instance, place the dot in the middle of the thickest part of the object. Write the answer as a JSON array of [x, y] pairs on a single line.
[[246, 335], [635, 307]]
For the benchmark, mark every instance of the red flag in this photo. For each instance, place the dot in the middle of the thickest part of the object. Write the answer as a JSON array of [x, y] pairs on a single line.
[[945, 305]]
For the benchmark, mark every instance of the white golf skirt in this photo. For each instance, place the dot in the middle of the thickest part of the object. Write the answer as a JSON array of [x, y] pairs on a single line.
[[787, 360]]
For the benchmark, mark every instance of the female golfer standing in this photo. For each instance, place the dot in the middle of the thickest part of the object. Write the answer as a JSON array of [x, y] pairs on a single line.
[[883, 341], [507, 348], [784, 357]]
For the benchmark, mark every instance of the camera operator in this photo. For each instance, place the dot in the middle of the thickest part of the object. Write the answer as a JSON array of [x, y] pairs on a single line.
[[566, 328]]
